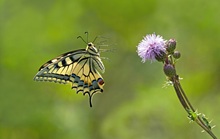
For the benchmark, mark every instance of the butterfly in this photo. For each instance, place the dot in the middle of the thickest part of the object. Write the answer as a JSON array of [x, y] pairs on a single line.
[[79, 67]]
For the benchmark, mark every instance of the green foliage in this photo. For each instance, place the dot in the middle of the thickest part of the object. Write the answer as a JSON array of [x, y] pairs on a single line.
[[134, 104]]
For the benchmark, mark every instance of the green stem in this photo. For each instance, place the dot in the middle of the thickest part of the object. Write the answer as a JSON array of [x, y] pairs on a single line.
[[188, 106], [179, 95], [184, 95]]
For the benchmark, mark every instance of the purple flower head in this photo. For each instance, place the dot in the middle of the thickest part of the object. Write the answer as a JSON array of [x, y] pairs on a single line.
[[152, 47]]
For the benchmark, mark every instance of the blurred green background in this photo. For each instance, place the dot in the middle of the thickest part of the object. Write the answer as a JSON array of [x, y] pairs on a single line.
[[134, 104]]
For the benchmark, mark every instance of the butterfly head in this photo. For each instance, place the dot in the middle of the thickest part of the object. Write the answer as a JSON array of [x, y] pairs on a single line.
[[92, 49]]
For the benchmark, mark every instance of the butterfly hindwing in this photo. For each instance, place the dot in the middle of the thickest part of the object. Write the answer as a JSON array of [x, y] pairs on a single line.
[[79, 67]]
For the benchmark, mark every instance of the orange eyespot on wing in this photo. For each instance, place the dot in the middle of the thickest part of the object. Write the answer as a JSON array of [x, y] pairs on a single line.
[[101, 81]]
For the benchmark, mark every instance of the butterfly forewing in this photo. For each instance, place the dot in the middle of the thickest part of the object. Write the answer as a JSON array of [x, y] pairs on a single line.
[[78, 67]]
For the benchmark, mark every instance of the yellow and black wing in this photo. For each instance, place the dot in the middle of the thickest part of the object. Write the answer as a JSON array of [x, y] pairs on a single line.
[[80, 67]]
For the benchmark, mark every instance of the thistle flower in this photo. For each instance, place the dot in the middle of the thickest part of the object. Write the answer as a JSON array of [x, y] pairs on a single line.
[[152, 47]]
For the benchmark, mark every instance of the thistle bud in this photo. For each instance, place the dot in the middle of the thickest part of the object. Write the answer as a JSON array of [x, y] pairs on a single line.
[[176, 54], [171, 45], [161, 56], [169, 70]]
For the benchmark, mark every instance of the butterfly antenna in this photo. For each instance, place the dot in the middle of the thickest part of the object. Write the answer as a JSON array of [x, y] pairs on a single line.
[[87, 36], [81, 39], [95, 39]]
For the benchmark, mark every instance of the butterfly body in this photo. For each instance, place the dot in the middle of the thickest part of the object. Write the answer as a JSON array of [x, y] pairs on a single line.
[[80, 67]]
